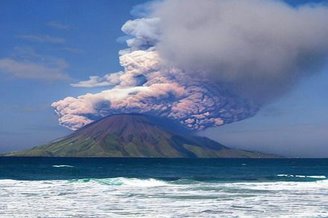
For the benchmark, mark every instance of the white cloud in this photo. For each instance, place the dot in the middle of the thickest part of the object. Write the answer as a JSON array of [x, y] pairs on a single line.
[[31, 70], [97, 81], [43, 39], [58, 25], [135, 63], [145, 32]]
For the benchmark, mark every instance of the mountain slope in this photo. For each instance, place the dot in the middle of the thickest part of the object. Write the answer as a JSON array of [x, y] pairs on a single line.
[[135, 135]]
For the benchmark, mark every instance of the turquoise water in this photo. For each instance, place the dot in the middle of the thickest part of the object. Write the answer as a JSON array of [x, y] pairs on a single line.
[[109, 187]]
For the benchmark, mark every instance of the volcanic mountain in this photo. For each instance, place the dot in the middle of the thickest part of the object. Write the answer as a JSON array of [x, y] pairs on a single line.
[[136, 135]]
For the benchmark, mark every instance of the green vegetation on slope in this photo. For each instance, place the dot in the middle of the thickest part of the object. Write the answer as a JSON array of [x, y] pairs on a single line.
[[133, 135]]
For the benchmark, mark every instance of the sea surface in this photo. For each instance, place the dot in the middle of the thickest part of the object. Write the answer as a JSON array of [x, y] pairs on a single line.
[[109, 187]]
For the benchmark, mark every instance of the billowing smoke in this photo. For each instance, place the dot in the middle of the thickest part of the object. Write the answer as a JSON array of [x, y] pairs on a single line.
[[261, 48], [205, 63], [146, 87]]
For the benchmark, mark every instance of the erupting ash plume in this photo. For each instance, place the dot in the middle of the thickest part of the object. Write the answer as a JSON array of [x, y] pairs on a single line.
[[146, 87], [205, 63]]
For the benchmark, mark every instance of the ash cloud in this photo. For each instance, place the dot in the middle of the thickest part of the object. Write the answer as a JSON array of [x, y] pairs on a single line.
[[205, 63], [260, 47], [147, 87]]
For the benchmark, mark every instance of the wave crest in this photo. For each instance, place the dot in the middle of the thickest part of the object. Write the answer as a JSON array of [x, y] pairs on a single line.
[[126, 182]]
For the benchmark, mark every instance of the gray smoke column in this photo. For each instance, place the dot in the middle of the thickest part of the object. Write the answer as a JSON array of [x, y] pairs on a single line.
[[205, 63], [261, 48]]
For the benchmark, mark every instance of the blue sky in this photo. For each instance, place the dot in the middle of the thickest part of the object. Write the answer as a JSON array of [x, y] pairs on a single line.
[[295, 125], [86, 34], [76, 39]]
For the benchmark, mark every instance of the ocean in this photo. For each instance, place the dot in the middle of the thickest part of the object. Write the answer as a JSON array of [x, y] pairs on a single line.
[[109, 187]]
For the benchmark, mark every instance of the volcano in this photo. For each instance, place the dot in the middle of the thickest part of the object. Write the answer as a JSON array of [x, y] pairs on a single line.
[[136, 135]]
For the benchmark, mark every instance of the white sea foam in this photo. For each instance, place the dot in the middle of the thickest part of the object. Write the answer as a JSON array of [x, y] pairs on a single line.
[[60, 166], [143, 182], [131, 197], [302, 176], [126, 182]]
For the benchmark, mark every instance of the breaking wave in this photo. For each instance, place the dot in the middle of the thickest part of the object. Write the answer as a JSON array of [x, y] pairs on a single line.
[[302, 176], [61, 166], [121, 196]]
